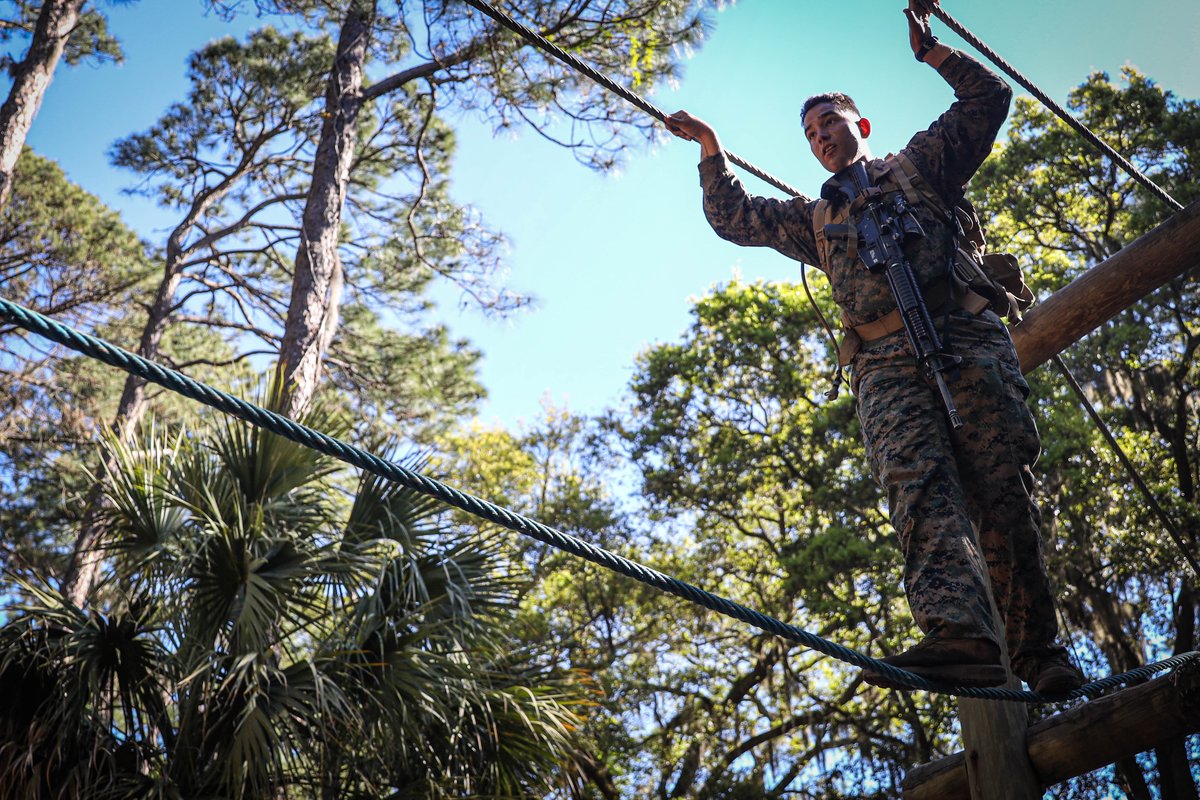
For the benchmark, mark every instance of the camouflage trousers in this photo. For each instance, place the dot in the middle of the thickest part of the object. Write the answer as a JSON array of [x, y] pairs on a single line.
[[945, 486]]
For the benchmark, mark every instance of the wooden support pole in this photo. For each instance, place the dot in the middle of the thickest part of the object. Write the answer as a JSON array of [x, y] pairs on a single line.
[[1086, 737], [993, 737], [1108, 288], [996, 763]]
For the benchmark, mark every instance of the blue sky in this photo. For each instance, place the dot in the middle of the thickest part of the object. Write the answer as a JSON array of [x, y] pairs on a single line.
[[614, 259]]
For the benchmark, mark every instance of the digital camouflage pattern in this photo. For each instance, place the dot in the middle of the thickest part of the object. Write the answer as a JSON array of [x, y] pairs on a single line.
[[940, 483], [942, 486]]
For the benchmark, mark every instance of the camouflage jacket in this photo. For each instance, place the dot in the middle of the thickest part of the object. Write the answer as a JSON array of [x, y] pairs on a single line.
[[946, 155]]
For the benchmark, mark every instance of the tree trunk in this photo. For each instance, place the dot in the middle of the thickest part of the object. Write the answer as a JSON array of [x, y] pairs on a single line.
[[1174, 773], [84, 564], [31, 77], [312, 317], [132, 406]]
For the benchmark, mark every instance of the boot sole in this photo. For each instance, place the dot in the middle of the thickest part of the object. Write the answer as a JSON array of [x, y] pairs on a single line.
[[975, 676], [1058, 686]]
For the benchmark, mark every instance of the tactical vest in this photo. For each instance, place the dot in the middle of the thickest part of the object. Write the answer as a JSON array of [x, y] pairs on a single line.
[[978, 280]]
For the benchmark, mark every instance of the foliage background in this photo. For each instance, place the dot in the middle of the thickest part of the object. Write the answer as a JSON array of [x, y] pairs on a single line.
[[711, 453]]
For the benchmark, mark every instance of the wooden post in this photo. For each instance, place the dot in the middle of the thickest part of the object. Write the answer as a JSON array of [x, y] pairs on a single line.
[[1086, 737], [996, 762], [1108, 288], [993, 734]]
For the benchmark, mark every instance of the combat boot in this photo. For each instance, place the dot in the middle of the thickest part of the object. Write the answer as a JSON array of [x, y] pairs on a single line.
[[956, 662], [1051, 674]]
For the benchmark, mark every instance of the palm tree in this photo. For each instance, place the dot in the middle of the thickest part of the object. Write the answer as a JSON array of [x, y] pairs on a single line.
[[268, 632]]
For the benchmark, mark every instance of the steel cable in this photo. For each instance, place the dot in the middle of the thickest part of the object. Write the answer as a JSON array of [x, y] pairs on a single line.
[[1058, 110], [1168, 523], [179, 383], [546, 46]]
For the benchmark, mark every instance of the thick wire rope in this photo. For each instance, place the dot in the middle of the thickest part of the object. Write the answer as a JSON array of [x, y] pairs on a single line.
[[546, 46], [1159, 511], [1091, 138], [114, 356]]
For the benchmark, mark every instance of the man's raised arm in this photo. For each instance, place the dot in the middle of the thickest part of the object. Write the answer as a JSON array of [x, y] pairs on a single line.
[[735, 214], [954, 146]]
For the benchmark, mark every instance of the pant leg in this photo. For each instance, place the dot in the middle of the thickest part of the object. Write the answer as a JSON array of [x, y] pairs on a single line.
[[906, 433], [995, 451]]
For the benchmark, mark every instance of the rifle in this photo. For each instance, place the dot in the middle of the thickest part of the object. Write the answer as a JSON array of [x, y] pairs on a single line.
[[885, 225]]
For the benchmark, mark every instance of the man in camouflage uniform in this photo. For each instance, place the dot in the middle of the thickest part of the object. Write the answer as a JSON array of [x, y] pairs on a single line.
[[939, 481]]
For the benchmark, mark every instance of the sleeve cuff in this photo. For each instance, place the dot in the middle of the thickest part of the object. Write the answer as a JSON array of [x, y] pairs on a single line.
[[950, 64], [713, 167]]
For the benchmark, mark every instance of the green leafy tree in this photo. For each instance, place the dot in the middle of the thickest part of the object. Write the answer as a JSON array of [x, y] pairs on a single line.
[[376, 221], [62, 253], [753, 488], [264, 632], [233, 161], [589, 618], [224, 161], [229, 160]]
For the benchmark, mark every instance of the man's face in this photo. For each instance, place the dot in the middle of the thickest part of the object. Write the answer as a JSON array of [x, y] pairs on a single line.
[[835, 136]]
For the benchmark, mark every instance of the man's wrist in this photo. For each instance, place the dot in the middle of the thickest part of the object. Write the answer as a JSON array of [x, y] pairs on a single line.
[[710, 144], [927, 45], [937, 54]]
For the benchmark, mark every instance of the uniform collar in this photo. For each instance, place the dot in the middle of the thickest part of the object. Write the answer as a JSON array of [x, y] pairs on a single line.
[[831, 192]]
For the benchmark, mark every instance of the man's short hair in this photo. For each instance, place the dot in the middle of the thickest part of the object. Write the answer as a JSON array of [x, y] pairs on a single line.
[[841, 102]]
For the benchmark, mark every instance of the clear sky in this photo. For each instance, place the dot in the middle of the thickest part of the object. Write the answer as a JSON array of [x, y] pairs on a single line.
[[615, 259]]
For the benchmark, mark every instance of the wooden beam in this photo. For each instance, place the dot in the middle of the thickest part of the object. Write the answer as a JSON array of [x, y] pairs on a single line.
[[1086, 737], [1108, 288]]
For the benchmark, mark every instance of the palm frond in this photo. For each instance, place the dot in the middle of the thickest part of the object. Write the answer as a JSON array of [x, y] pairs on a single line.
[[90, 686], [143, 515], [266, 632]]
